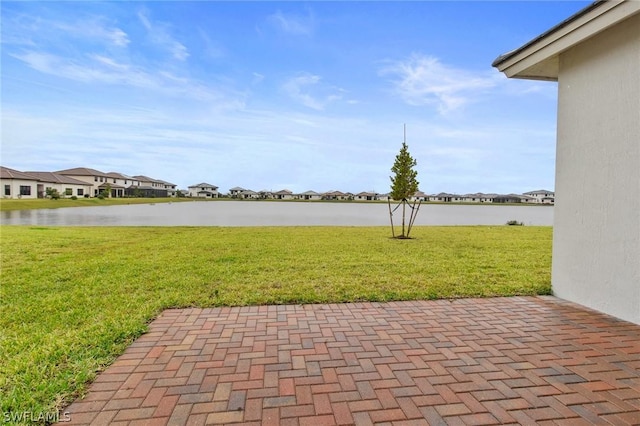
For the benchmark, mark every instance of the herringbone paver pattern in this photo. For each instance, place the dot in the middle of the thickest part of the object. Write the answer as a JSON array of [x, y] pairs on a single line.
[[522, 360]]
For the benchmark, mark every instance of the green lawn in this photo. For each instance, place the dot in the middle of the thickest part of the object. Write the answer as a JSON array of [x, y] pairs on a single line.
[[73, 298], [45, 203]]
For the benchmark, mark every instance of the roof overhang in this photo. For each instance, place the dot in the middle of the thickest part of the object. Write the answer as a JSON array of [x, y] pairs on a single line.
[[539, 59]]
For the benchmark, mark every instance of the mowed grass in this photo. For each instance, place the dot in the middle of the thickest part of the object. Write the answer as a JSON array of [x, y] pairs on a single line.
[[45, 203], [73, 298]]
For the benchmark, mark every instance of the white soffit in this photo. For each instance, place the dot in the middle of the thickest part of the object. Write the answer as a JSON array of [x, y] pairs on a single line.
[[539, 59]]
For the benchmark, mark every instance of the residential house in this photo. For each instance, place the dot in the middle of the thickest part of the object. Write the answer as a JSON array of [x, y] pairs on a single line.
[[384, 197], [542, 196], [18, 184], [444, 197], [365, 196], [118, 184], [419, 196], [337, 195], [333, 195], [96, 178], [203, 190], [148, 187], [309, 195], [265, 194], [248, 194], [170, 187], [236, 191], [283, 194], [508, 198], [86, 182], [479, 197], [527, 199], [65, 186], [594, 56]]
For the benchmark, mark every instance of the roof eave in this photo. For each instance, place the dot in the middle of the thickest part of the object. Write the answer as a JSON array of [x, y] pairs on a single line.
[[539, 59]]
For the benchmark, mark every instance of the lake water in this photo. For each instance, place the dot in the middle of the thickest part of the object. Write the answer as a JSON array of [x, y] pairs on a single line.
[[264, 213]]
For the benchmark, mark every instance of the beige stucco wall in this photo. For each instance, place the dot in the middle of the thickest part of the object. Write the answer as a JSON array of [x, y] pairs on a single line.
[[15, 185], [62, 187], [94, 190], [596, 243]]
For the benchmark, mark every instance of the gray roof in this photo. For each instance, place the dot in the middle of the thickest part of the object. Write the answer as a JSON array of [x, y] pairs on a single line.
[[445, 194], [7, 173], [120, 176], [336, 193], [506, 56], [539, 191], [203, 184], [57, 178], [144, 178], [81, 171]]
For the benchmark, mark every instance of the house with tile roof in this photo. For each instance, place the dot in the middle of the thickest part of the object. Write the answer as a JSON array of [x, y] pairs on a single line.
[[82, 182], [283, 194], [309, 195], [445, 197], [236, 191], [203, 190], [365, 196], [541, 196], [18, 184], [88, 175], [64, 185]]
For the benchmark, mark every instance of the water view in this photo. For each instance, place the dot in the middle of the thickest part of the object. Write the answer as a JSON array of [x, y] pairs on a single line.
[[261, 213]]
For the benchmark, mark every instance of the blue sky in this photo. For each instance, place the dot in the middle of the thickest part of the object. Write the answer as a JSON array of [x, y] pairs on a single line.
[[273, 95]]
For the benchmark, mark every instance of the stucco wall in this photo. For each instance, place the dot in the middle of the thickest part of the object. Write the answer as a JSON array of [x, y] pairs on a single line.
[[15, 185], [596, 243]]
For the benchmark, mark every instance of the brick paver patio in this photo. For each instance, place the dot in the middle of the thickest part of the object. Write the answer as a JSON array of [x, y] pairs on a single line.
[[522, 360]]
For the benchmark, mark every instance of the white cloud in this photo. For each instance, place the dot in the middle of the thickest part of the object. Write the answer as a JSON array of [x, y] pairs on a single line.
[[292, 24], [300, 89], [28, 30], [104, 70], [424, 80], [159, 35], [94, 27]]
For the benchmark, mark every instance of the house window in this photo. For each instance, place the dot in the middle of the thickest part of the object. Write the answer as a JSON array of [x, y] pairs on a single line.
[[80, 192], [101, 179], [95, 178], [68, 191], [25, 190], [7, 190], [114, 181]]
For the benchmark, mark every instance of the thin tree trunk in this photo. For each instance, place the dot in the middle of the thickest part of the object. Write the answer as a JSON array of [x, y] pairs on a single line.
[[393, 232], [404, 203], [414, 214]]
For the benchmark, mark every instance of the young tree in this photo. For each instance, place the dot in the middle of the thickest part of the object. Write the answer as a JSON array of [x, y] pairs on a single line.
[[404, 184]]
